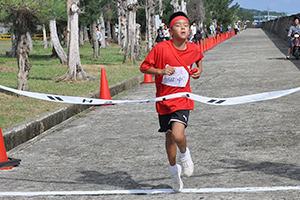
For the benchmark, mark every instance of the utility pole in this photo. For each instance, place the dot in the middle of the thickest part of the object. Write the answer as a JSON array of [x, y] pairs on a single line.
[[268, 13]]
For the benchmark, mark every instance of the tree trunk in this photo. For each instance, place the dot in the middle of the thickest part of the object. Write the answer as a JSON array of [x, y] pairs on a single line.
[[160, 11], [150, 24], [138, 45], [196, 11], [14, 45], [132, 7], [56, 43], [183, 6], [75, 71], [23, 63], [81, 41], [102, 30], [29, 40], [122, 35], [113, 32], [95, 42], [45, 37], [175, 5], [67, 37], [108, 28], [86, 35]]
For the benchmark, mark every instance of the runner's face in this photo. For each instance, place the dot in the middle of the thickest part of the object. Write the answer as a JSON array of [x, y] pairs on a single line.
[[180, 30]]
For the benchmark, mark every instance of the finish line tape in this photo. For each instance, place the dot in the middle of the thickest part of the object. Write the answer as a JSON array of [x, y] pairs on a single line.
[[153, 191], [195, 97]]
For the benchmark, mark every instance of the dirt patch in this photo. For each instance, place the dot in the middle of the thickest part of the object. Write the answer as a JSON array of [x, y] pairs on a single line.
[[7, 69], [5, 96], [93, 70], [93, 67]]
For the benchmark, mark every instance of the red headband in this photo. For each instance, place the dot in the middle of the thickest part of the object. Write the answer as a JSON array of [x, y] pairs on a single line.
[[178, 18]]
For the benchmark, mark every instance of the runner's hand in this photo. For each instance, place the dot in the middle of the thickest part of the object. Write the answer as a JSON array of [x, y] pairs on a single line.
[[196, 74], [168, 71]]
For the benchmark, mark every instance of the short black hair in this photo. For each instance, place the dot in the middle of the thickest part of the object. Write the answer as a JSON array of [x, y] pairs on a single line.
[[176, 14], [296, 18]]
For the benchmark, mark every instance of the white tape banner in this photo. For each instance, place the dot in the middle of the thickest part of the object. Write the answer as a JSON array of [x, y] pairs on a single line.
[[195, 97]]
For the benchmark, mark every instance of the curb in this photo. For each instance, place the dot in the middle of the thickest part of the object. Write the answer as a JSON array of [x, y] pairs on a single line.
[[22, 132]]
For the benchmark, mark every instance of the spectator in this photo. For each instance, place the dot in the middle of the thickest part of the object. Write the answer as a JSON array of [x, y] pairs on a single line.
[[166, 33], [236, 28], [160, 35], [212, 30], [229, 28], [99, 37], [193, 30], [197, 37], [218, 30]]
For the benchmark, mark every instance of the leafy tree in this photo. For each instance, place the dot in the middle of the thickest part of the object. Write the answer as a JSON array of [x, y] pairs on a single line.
[[244, 15], [25, 15], [167, 11], [91, 14], [221, 11]]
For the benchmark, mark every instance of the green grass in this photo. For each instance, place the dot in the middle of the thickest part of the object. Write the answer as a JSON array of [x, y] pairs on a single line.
[[44, 73]]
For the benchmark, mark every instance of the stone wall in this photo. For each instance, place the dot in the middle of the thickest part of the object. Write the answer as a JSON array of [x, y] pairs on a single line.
[[279, 26]]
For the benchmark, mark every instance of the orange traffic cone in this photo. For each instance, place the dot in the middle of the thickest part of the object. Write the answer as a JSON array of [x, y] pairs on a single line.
[[6, 163], [104, 89], [147, 79]]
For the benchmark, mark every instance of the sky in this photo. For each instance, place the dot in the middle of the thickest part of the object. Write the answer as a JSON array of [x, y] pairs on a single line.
[[288, 6]]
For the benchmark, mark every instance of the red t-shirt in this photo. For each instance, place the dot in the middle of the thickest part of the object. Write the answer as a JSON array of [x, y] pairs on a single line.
[[160, 57]]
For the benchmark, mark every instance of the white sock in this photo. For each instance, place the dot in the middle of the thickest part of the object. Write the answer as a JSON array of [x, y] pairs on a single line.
[[173, 169], [185, 154]]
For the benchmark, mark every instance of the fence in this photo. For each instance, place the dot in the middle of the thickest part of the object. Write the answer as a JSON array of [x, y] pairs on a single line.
[[34, 37]]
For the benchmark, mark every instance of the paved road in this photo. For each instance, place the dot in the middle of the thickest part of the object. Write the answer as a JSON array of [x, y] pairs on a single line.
[[118, 147]]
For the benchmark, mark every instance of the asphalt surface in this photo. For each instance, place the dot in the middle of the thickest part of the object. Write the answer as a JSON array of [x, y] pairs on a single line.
[[118, 147]]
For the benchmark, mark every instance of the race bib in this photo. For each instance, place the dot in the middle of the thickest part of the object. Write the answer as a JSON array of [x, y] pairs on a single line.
[[178, 79]]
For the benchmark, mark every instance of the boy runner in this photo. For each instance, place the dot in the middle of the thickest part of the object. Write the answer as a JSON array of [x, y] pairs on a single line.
[[171, 76]]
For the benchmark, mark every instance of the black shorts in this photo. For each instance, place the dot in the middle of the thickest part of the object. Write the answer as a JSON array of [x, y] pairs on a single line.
[[165, 121]]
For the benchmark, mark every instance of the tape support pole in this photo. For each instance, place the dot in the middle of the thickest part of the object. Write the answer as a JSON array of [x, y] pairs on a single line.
[[195, 97]]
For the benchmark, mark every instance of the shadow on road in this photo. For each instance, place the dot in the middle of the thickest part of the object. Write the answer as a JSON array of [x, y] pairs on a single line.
[[120, 179], [278, 169]]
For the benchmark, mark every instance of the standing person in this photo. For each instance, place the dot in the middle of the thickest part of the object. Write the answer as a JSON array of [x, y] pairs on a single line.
[[173, 76], [229, 28], [166, 33], [197, 37], [212, 29], [99, 37], [236, 28], [293, 29], [218, 30], [160, 35], [193, 30]]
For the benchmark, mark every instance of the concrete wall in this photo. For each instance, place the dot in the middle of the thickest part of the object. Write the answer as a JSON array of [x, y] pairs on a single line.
[[279, 26]]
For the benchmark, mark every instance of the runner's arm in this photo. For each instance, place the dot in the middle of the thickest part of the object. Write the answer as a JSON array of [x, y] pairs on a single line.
[[197, 74], [166, 71]]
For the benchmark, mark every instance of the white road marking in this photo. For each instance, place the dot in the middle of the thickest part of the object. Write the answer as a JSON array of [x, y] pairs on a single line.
[[153, 191]]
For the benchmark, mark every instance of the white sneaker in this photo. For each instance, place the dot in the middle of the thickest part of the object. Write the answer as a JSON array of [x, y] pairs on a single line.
[[187, 163], [177, 183], [288, 57]]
